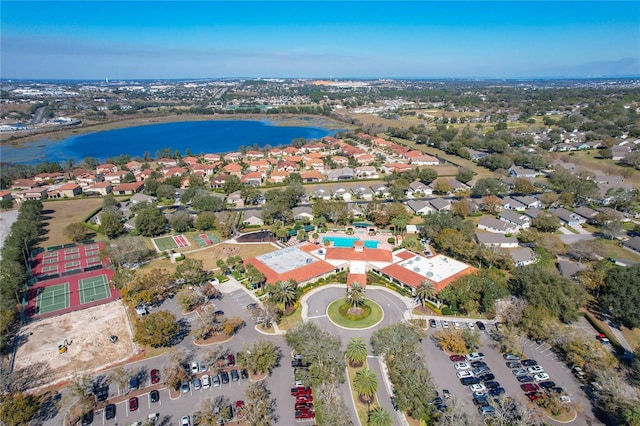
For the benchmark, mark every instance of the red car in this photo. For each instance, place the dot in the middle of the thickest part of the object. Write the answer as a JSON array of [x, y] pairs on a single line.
[[534, 395], [133, 404], [300, 391], [305, 414], [457, 358], [304, 406], [231, 360], [304, 399], [530, 387], [155, 376], [238, 408]]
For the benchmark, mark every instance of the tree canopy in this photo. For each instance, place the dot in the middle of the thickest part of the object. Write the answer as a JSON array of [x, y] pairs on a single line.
[[621, 295]]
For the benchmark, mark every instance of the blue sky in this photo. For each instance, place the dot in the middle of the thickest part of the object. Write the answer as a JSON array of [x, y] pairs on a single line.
[[209, 39]]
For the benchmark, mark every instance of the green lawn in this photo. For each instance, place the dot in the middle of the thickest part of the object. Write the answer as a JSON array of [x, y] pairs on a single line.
[[334, 315]]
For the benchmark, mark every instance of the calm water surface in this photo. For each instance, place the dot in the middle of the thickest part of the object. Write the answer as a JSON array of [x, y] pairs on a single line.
[[215, 136]]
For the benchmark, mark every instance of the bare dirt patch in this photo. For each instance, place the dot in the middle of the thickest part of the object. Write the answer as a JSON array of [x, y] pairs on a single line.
[[87, 332], [58, 214]]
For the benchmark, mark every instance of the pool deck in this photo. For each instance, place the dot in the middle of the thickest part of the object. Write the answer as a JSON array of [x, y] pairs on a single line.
[[380, 237]]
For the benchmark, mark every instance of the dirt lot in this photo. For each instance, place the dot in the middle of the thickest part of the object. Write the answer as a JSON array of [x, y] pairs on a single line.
[[59, 214], [87, 332]]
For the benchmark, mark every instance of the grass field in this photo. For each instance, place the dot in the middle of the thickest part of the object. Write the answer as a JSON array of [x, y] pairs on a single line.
[[587, 160], [376, 315], [60, 213]]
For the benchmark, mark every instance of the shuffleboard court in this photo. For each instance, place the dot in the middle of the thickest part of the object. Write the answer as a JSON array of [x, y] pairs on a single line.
[[53, 298], [94, 288]]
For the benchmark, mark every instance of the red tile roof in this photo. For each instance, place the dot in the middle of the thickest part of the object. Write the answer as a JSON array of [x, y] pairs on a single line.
[[357, 278], [414, 279], [367, 254]]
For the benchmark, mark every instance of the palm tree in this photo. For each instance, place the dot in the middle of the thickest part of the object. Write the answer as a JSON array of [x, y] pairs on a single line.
[[379, 417], [365, 383], [355, 295], [425, 291], [356, 351], [283, 292]]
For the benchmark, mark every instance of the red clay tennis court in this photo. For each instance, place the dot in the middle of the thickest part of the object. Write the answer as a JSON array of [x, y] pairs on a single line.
[[70, 293], [67, 261]]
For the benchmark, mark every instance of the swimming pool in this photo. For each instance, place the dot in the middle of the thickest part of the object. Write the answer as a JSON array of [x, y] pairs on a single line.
[[349, 241]]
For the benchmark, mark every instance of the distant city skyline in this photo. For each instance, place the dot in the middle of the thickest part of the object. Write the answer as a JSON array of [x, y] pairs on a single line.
[[359, 39]]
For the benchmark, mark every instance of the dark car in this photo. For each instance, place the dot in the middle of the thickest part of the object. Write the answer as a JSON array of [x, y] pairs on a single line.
[[529, 362], [432, 323], [525, 379], [134, 384], [102, 393], [133, 404], [457, 358], [511, 357], [446, 394], [87, 418], [225, 377], [513, 364], [244, 373], [492, 384], [468, 381], [487, 377], [154, 396], [234, 375], [496, 392], [155, 376], [478, 364], [480, 325], [231, 360], [305, 414], [547, 385], [110, 411]]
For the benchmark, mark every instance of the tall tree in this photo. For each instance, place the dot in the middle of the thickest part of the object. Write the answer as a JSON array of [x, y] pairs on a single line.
[[355, 295], [150, 222], [379, 417], [356, 351], [425, 291], [259, 409], [157, 329], [365, 383], [283, 292]]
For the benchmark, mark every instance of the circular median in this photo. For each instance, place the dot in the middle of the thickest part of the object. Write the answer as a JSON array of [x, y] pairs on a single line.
[[371, 314]]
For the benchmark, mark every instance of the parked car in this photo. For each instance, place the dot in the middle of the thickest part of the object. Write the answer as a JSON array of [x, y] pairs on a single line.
[[496, 392], [534, 395], [479, 402], [530, 387], [299, 390], [244, 373], [432, 323], [186, 421], [470, 325], [475, 356], [535, 369], [215, 379], [444, 324], [548, 385], [197, 384], [481, 370], [203, 366], [185, 387], [133, 404], [529, 362], [231, 360], [87, 418], [477, 387], [154, 396], [487, 410], [492, 384], [110, 411], [457, 325], [463, 374], [457, 358], [480, 325], [134, 384], [206, 382], [513, 364], [305, 414], [511, 357], [467, 381], [487, 377], [478, 364], [519, 372], [541, 377], [525, 379], [446, 394], [225, 377], [155, 376], [194, 367], [461, 366], [234, 375]]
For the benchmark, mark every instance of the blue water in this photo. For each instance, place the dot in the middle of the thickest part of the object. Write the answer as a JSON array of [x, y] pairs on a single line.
[[201, 137], [348, 242]]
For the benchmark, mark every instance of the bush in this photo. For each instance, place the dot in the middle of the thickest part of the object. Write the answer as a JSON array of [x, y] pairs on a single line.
[[447, 311], [391, 240], [344, 311]]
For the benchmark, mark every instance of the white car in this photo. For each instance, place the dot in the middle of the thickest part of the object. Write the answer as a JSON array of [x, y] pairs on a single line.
[[541, 377], [456, 325], [186, 421], [565, 399], [535, 369], [471, 326], [206, 382], [461, 366], [475, 356], [444, 324], [463, 374], [194, 367], [478, 388]]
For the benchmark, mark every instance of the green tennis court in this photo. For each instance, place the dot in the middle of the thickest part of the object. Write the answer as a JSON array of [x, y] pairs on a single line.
[[94, 288], [53, 298], [165, 243]]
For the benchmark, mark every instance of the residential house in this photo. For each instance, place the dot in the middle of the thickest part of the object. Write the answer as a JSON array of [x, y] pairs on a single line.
[[190, 160], [419, 189], [212, 158], [457, 186], [175, 171], [252, 178], [425, 160], [420, 207], [509, 203], [5, 196], [440, 204], [312, 176], [364, 159], [115, 177], [277, 176], [142, 198], [342, 193], [585, 212], [287, 166], [570, 269], [532, 213], [30, 194], [528, 201], [345, 173], [494, 225], [49, 177], [233, 156], [522, 172], [128, 188], [490, 239], [314, 163], [523, 256], [476, 155], [106, 168], [167, 162], [202, 169], [380, 190], [236, 199], [302, 213], [133, 166], [233, 169], [143, 175], [261, 166], [69, 190], [252, 218], [218, 181], [618, 152], [567, 217], [366, 172], [321, 192], [520, 220], [340, 160]]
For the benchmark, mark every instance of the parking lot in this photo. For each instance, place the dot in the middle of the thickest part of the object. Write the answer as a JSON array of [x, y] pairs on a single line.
[[444, 372]]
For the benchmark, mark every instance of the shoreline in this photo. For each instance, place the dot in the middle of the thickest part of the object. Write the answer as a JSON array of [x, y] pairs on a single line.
[[53, 135]]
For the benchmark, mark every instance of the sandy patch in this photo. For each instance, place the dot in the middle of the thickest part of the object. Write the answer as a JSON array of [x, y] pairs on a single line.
[[87, 332]]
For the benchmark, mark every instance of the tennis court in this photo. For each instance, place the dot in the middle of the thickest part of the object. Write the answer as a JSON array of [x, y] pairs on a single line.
[[53, 298], [170, 242], [204, 240], [94, 288]]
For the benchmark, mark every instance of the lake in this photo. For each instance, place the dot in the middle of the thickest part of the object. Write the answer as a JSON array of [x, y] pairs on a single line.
[[214, 136]]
